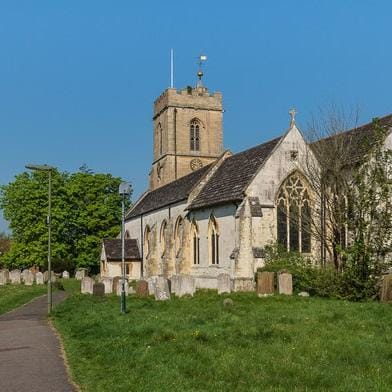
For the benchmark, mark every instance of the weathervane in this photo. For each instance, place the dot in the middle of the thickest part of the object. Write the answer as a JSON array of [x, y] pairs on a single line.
[[292, 113], [200, 74]]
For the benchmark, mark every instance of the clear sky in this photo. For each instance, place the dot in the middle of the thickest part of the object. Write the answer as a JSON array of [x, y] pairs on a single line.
[[78, 78]]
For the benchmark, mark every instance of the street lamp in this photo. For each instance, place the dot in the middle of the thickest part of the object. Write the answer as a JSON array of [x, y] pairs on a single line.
[[124, 190], [48, 169]]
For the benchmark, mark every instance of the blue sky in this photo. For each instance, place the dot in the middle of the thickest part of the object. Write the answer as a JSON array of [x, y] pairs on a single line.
[[78, 78]]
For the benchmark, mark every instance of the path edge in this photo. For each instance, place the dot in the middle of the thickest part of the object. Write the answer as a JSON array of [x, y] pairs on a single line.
[[22, 306]]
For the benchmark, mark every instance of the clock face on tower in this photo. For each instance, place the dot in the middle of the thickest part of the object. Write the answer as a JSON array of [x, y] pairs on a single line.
[[196, 164]]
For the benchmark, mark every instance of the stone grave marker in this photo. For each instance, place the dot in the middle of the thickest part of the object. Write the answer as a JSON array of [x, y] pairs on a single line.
[[65, 275], [28, 278], [98, 289], [386, 289], [118, 287], [80, 273], [108, 283], [151, 285], [23, 275], [265, 283], [46, 274], [142, 288], [224, 283], [39, 278], [4, 277], [15, 276], [162, 292], [285, 283], [185, 285], [87, 285], [174, 280]]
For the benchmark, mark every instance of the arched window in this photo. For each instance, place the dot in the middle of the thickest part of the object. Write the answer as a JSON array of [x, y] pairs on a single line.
[[147, 241], [294, 215], [195, 135], [163, 237], [160, 139], [213, 235], [195, 243], [178, 234]]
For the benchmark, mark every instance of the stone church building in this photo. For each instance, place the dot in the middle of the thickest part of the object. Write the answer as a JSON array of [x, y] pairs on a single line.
[[208, 211]]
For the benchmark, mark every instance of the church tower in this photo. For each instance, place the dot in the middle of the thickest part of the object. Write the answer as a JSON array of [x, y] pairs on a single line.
[[187, 132]]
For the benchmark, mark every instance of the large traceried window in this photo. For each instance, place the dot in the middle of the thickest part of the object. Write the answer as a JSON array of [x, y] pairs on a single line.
[[213, 235], [163, 237], [195, 243], [194, 135], [294, 215]]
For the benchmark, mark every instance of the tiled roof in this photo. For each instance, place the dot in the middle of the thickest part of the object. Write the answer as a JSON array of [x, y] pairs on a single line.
[[168, 194], [233, 176], [355, 143], [113, 249]]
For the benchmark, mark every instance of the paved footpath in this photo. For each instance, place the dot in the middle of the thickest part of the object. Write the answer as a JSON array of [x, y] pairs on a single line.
[[30, 355]]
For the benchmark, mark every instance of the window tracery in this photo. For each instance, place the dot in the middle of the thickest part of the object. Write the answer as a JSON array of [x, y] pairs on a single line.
[[195, 135]]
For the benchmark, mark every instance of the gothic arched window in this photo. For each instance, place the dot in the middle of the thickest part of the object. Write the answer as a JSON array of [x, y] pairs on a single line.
[[179, 234], [294, 215], [195, 243], [147, 240], [163, 237], [195, 135], [213, 235]]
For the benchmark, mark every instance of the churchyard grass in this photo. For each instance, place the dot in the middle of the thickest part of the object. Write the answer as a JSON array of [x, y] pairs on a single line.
[[196, 344], [13, 296]]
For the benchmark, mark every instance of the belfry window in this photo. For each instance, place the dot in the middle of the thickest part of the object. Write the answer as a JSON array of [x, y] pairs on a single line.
[[214, 241], [160, 139], [195, 135], [294, 215]]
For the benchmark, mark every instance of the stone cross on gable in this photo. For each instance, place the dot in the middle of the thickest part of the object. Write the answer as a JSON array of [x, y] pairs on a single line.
[[292, 113]]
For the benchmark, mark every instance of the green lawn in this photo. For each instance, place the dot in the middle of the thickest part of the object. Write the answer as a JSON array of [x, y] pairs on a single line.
[[196, 344], [13, 296]]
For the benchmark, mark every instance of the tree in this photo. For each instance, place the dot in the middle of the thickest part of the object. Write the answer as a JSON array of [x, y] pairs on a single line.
[[5, 244], [86, 207]]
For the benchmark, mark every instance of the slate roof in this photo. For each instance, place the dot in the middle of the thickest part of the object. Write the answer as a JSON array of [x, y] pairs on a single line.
[[234, 175], [113, 249], [356, 142], [168, 194]]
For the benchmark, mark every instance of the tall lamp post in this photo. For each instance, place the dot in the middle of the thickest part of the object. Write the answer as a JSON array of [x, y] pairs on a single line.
[[48, 169], [124, 190]]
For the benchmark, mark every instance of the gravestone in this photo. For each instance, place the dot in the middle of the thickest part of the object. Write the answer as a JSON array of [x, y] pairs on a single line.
[[265, 283], [65, 275], [285, 283], [386, 289], [53, 277], [46, 274], [15, 276], [185, 285], [131, 290], [224, 283], [108, 283], [116, 279], [162, 292], [80, 273], [118, 287], [28, 278], [98, 289], [174, 281], [87, 285], [142, 288], [4, 277], [151, 285], [23, 275], [39, 278]]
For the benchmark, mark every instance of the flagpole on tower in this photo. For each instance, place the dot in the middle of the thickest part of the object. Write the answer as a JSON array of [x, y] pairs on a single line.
[[171, 69]]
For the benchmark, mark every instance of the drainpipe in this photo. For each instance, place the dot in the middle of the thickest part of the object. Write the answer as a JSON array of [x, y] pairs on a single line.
[[141, 244], [175, 143]]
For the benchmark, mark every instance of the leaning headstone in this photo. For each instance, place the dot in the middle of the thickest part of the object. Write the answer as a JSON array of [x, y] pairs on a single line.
[[151, 285], [39, 278], [24, 274], [142, 288], [185, 285], [118, 287], [87, 285], [65, 275], [265, 283], [15, 276], [162, 292], [224, 283], [285, 283], [28, 278], [386, 289], [80, 273], [98, 289], [4, 277], [108, 283]]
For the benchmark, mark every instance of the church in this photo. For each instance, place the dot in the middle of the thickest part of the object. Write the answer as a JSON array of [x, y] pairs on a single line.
[[208, 211]]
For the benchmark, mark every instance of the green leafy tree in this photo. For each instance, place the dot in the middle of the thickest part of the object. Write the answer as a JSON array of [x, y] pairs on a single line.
[[86, 207]]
